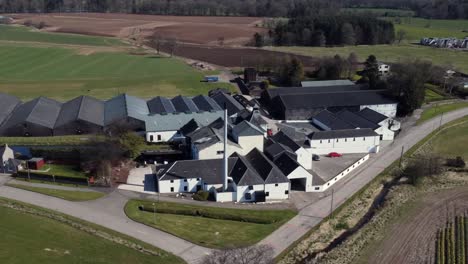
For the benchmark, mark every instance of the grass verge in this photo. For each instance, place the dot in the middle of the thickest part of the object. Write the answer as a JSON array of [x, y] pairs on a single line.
[[439, 110], [51, 237], [213, 230], [74, 196], [51, 141]]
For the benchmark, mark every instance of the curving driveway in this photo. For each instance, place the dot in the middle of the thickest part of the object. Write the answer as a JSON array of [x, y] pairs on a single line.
[[109, 213]]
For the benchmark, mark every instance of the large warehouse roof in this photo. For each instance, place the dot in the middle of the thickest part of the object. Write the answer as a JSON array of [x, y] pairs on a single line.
[[124, 106], [8, 104], [82, 108], [40, 111]]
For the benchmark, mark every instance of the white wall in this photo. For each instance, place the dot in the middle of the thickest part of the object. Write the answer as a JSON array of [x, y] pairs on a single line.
[[214, 151], [250, 142], [301, 173], [225, 196], [178, 185], [304, 158], [345, 145], [386, 133], [242, 190], [340, 175], [385, 109], [277, 191], [162, 136]]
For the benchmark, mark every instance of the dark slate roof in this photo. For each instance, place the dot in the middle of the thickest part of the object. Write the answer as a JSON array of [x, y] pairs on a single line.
[[40, 111], [206, 103], [123, 106], [204, 137], [286, 163], [82, 108], [334, 99], [243, 174], [346, 133], [7, 104], [285, 140], [211, 171], [372, 115], [313, 90], [160, 105], [326, 83], [265, 168], [232, 105], [184, 104], [245, 128], [356, 120], [273, 150], [190, 127], [332, 121]]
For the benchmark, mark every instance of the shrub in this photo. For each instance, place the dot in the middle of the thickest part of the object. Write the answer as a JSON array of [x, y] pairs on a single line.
[[457, 162], [201, 196], [342, 224]]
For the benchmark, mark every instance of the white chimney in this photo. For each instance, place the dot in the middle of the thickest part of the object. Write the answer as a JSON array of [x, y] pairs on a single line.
[[225, 157]]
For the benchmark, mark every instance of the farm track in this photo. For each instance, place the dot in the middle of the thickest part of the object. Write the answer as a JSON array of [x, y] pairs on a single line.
[[412, 240]]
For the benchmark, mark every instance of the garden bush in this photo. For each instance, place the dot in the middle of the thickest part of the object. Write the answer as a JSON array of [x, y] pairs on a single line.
[[201, 196]]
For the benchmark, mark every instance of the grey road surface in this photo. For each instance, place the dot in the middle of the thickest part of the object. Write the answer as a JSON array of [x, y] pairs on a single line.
[[311, 215]]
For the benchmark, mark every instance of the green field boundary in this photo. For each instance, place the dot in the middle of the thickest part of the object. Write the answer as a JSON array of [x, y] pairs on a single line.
[[379, 178], [69, 195], [438, 110]]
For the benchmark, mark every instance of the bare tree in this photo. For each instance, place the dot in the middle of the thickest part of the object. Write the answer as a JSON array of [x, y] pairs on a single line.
[[172, 45], [401, 35], [157, 40], [249, 255]]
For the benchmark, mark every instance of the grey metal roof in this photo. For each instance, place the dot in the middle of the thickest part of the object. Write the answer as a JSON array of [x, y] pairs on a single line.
[[273, 92], [7, 104], [245, 128], [331, 120], [326, 83], [184, 104], [356, 120], [174, 122], [40, 111], [123, 106], [286, 163], [232, 105], [372, 115], [81, 108], [206, 103], [334, 99], [346, 133], [160, 105], [211, 171], [243, 174]]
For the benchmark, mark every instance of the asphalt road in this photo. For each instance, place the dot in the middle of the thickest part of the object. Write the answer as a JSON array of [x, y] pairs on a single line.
[[312, 214]]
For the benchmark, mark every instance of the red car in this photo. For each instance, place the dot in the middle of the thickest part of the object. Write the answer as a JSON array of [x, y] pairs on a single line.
[[334, 155]]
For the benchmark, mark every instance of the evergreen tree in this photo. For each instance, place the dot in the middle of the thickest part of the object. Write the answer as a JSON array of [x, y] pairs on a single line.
[[371, 71]]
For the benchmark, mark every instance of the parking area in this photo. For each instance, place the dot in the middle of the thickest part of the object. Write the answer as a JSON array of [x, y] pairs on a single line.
[[327, 168]]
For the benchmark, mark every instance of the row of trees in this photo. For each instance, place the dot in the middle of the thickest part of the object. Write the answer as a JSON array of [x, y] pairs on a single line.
[[349, 29], [267, 8]]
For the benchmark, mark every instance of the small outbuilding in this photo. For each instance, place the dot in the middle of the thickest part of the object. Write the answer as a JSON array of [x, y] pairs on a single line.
[[36, 163]]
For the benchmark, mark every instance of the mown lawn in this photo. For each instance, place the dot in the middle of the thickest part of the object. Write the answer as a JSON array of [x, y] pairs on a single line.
[[29, 238], [417, 28], [54, 141], [62, 170], [209, 232], [389, 53], [437, 110], [74, 196], [19, 33]]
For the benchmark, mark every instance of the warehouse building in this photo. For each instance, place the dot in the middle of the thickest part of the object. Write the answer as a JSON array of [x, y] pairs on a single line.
[[82, 115]]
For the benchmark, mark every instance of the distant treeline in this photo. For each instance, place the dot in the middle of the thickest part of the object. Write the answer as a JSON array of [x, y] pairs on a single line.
[[329, 30], [449, 9], [262, 8]]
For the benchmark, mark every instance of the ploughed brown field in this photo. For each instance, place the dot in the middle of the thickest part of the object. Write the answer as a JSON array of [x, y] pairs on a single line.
[[412, 240], [189, 29]]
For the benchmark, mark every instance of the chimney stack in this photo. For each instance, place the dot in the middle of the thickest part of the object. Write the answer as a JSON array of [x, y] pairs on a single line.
[[225, 157]]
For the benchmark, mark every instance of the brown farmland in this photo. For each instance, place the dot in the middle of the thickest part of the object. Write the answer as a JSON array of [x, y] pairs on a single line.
[[190, 29], [236, 56], [413, 239]]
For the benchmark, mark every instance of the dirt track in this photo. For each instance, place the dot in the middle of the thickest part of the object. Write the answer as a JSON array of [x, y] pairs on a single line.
[[413, 239], [191, 29]]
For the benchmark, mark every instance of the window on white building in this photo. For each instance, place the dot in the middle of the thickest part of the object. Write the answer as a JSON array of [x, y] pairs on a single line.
[[159, 137], [345, 140], [320, 141], [172, 189], [354, 139], [247, 196], [151, 138], [185, 180], [276, 185], [337, 140], [267, 194], [172, 181], [328, 141], [286, 192], [250, 187], [317, 188], [185, 188], [363, 139], [219, 152]]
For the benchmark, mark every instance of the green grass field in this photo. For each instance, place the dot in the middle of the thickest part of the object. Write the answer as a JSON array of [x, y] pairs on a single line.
[[418, 28], [74, 196], [382, 12], [29, 238], [390, 53], [437, 110], [31, 69], [453, 142], [209, 232], [18, 33], [54, 141], [62, 170]]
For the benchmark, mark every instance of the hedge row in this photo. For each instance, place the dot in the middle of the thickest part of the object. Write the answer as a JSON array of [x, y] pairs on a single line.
[[47, 177], [208, 213]]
